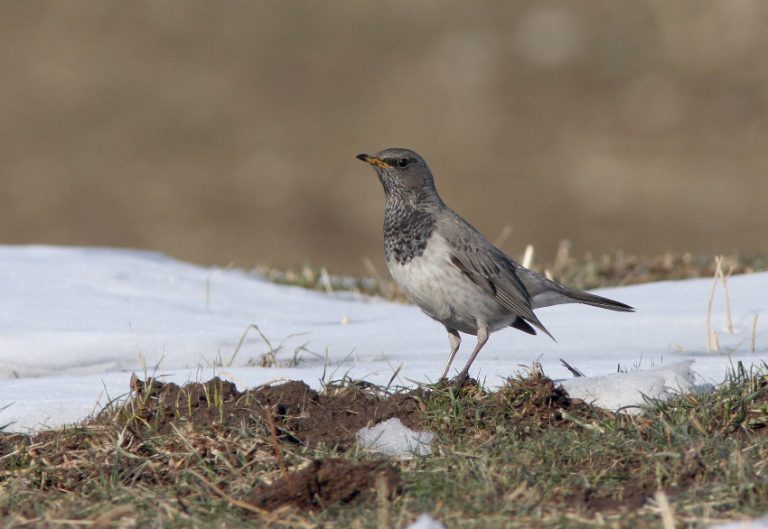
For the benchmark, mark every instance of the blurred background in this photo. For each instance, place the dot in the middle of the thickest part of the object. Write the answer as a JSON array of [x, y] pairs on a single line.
[[226, 132]]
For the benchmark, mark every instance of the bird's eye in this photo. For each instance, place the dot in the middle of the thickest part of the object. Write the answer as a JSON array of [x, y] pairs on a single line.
[[402, 162]]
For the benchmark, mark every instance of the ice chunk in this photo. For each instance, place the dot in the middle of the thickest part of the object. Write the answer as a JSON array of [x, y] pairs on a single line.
[[393, 438], [627, 389]]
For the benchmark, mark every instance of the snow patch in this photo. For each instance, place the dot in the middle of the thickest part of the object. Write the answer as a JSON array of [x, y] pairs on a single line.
[[392, 438], [75, 322], [425, 521], [628, 390], [760, 523]]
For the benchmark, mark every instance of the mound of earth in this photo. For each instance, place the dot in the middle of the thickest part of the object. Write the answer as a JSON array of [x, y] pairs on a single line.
[[300, 414]]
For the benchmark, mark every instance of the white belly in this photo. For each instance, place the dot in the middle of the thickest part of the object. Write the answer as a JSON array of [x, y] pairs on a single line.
[[442, 291]]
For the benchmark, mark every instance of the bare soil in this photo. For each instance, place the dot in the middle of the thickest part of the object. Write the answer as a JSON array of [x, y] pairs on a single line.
[[301, 415]]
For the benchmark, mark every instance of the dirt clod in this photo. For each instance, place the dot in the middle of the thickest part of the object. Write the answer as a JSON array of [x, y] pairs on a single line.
[[326, 482]]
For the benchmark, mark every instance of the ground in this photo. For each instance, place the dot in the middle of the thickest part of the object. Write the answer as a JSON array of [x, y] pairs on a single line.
[[525, 454], [209, 455]]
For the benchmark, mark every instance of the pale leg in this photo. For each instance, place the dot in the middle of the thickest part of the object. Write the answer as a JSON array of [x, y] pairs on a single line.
[[482, 337], [455, 339]]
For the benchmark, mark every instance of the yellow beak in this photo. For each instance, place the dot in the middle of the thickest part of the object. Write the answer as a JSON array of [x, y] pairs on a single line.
[[374, 161]]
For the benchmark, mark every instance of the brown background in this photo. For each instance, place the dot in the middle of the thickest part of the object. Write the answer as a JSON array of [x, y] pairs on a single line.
[[225, 132]]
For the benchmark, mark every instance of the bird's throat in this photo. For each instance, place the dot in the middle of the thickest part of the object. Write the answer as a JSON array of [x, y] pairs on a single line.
[[406, 230]]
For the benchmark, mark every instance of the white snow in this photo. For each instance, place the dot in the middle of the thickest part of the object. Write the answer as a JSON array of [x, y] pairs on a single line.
[[425, 521], [760, 523], [392, 438], [75, 322], [624, 390]]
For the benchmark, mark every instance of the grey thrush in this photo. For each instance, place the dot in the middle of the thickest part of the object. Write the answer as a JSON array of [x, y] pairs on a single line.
[[453, 273]]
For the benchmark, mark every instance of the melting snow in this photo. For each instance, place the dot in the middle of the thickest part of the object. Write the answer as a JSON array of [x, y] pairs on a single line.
[[761, 523], [75, 322], [393, 438], [626, 390]]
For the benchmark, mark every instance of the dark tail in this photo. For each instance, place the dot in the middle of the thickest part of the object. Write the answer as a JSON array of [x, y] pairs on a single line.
[[545, 293], [596, 301]]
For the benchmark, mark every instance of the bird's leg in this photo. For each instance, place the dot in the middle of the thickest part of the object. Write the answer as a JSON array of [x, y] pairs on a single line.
[[455, 339], [482, 337]]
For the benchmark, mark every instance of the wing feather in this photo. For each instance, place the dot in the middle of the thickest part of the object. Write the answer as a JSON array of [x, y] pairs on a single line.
[[492, 271]]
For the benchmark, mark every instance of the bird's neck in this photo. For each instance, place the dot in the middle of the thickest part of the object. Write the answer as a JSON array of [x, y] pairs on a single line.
[[425, 198], [407, 227]]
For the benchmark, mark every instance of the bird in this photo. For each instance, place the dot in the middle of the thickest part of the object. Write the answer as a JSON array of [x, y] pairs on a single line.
[[450, 270]]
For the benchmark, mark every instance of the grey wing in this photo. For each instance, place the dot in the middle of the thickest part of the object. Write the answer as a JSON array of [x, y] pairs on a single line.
[[489, 268]]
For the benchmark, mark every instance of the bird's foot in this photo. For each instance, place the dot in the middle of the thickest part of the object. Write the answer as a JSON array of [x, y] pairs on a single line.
[[458, 383]]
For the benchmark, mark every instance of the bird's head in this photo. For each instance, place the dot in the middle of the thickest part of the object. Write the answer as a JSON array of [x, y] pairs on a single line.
[[403, 173]]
